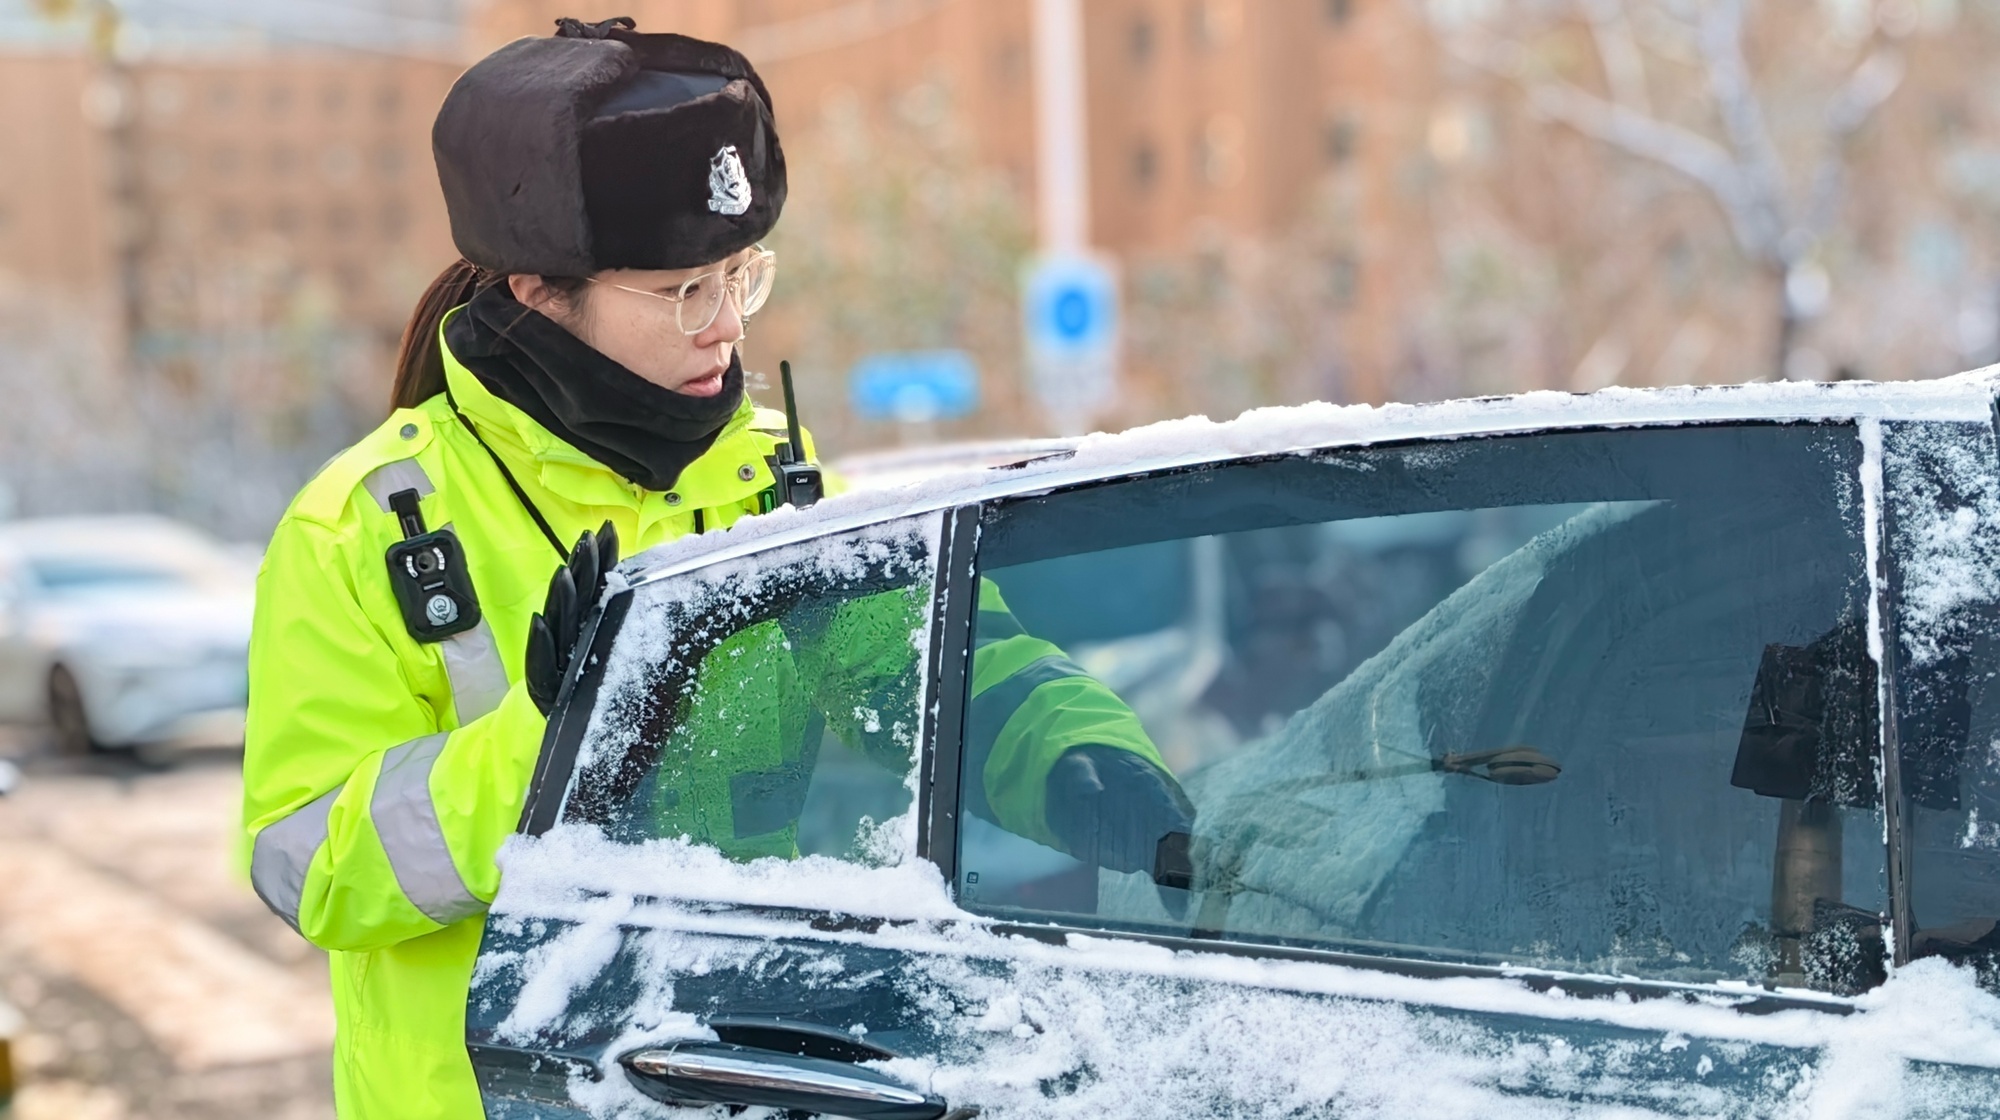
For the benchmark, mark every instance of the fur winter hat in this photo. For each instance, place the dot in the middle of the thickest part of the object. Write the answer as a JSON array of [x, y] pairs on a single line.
[[602, 148]]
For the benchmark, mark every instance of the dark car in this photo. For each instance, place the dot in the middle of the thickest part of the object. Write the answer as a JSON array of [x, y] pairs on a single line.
[[1629, 755]]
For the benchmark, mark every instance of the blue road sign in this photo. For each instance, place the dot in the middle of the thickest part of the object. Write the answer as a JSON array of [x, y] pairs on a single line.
[[1069, 313], [914, 386], [1071, 306]]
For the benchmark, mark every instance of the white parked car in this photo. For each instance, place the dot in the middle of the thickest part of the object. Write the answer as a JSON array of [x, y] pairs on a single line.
[[123, 631]]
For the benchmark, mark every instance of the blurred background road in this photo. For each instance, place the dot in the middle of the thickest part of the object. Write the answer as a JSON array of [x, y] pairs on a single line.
[[152, 983]]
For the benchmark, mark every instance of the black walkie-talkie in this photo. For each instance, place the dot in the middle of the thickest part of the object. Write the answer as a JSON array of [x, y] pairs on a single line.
[[799, 482], [428, 573]]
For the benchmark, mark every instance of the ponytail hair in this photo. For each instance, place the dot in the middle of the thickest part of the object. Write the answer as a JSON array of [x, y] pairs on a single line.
[[419, 362]]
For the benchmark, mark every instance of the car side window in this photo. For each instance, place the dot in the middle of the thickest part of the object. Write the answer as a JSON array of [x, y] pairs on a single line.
[[1593, 701], [1944, 507], [769, 705]]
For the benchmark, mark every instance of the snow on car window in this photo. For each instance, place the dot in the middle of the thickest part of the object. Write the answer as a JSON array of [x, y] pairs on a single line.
[[1945, 500], [769, 705], [762, 713], [1945, 532]]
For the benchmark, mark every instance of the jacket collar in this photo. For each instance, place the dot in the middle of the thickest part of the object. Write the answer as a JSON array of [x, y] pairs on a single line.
[[532, 451]]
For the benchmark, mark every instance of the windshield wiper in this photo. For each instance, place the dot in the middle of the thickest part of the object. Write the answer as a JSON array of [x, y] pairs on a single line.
[[1507, 766]]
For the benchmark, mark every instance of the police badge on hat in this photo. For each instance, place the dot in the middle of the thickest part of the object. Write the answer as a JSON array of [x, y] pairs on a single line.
[[728, 187], [603, 148]]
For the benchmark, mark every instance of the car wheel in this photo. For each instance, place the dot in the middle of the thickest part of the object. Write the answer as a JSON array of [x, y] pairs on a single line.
[[67, 715]]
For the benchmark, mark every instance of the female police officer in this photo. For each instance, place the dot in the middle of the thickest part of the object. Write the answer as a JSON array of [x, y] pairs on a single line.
[[578, 369]]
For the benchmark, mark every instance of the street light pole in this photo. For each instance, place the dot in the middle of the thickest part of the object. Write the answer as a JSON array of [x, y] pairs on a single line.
[[1070, 294], [1062, 158]]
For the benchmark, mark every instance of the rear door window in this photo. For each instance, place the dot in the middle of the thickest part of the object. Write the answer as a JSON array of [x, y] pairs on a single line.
[[1591, 701], [1944, 519]]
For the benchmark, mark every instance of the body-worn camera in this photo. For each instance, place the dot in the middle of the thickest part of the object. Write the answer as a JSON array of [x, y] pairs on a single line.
[[428, 574]]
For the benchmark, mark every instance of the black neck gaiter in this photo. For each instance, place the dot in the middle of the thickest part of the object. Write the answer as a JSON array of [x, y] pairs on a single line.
[[644, 432]]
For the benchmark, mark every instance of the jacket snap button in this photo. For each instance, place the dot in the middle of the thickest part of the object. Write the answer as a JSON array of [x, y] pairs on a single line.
[[409, 431], [673, 499], [746, 472]]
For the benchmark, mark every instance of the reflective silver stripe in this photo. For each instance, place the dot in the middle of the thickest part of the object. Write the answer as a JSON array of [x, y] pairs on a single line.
[[407, 824], [282, 853], [387, 479], [478, 681]]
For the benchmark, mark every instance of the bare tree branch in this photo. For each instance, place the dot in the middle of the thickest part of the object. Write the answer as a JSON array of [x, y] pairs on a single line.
[[1744, 172], [1742, 114], [1682, 150], [1618, 50], [1711, 165], [1779, 217], [1872, 83]]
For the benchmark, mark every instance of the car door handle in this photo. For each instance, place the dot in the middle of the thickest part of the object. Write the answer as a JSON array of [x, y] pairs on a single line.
[[722, 1073]]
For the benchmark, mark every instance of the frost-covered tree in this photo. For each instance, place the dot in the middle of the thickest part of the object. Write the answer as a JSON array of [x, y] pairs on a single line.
[[1807, 134]]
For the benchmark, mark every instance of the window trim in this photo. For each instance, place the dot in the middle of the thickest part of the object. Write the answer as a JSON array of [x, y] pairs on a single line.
[[955, 589], [1746, 999], [1754, 1001], [1889, 677], [1762, 1000], [555, 764]]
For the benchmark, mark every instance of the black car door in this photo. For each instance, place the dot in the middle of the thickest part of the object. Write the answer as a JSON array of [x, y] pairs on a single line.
[[1524, 767]]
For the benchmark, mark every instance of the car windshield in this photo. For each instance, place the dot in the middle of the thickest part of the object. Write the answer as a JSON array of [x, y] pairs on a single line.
[[1596, 701]]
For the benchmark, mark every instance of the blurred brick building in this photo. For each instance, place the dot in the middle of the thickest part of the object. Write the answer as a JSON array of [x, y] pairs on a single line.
[[235, 189], [213, 223], [1211, 122], [315, 165], [257, 185]]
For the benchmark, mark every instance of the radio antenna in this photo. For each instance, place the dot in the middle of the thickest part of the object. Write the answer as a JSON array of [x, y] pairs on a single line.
[[792, 414], [799, 483]]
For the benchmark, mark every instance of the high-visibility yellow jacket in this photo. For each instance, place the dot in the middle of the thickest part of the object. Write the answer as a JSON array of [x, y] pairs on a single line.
[[382, 774]]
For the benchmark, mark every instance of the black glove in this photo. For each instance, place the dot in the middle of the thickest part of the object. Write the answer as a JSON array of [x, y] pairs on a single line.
[[1112, 808], [573, 590]]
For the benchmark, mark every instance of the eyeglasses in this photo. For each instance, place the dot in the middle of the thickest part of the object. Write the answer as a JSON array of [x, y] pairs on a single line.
[[699, 299]]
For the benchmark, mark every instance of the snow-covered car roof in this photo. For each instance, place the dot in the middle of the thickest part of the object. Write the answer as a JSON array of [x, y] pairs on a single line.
[[883, 470], [1196, 440]]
